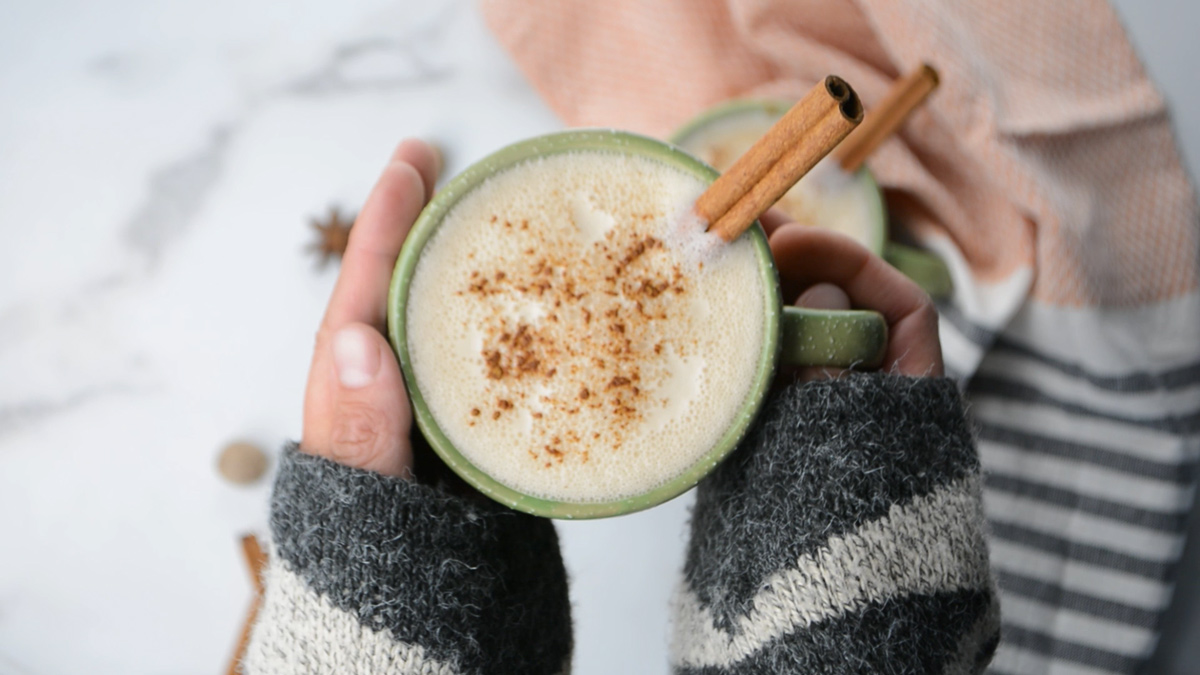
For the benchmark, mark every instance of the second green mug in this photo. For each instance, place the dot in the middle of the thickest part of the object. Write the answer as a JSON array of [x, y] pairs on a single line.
[[740, 122]]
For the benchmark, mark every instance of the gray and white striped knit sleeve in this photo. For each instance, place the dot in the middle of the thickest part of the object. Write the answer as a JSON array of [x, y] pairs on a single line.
[[370, 574], [846, 535]]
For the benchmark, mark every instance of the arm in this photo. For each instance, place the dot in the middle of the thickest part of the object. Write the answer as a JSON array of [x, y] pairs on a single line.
[[846, 535], [372, 571], [373, 574]]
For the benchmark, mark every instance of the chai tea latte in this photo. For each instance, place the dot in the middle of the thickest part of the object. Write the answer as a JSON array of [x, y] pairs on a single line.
[[565, 343]]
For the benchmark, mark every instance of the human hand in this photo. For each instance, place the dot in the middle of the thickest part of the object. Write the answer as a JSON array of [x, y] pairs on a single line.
[[826, 270], [356, 409]]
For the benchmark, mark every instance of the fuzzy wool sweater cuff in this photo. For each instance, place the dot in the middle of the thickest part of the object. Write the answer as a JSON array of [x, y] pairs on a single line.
[[371, 574], [845, 535]]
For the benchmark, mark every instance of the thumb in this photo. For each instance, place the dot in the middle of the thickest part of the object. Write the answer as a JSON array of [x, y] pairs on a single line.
[[370, 416]]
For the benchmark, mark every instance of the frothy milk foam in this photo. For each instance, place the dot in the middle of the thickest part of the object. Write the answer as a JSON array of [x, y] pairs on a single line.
[[826, 196], [565, 345]]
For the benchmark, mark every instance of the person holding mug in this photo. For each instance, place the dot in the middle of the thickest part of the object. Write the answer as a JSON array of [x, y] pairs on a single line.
[[844, 534]]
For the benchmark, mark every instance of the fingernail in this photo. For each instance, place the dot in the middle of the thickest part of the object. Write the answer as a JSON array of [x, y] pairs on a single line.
[[438, 153], [824, 296], [355, 357]]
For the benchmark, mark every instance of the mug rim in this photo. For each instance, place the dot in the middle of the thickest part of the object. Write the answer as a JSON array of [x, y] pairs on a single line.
[[776, 108], [427, 223]]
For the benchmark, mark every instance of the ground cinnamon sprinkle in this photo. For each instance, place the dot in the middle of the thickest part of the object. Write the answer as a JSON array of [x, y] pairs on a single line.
[[622, 278]]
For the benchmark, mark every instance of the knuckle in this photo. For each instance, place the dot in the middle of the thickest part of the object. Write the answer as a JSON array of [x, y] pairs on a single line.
[[925, 318], [323, 336], [359, 433], [928, 314], [408, 178], [926, 311]]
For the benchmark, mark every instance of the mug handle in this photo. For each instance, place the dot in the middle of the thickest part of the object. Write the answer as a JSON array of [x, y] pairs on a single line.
[[925, 268], [834, 338]]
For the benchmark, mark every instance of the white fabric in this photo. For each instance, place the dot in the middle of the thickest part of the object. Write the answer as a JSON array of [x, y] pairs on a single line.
[[300, 632]]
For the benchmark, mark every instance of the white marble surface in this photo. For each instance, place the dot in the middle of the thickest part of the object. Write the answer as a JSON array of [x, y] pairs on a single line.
[[159, 164]]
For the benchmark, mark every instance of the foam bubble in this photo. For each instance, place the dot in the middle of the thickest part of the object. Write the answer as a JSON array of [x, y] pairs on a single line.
[[593, 224], [688, 235]]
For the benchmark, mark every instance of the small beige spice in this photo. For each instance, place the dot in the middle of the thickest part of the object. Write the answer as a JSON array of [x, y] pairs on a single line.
[[242, 463]]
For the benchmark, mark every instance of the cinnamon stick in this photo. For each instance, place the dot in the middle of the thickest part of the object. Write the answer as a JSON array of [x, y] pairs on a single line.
[[882, 120], [789, 149], [235, 664], [256, 560]]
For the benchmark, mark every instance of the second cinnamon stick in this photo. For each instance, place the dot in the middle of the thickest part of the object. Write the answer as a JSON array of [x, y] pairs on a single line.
[[882, 120]]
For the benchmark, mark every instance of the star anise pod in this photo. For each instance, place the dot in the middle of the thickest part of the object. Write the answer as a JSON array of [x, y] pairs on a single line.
[[333, 233]]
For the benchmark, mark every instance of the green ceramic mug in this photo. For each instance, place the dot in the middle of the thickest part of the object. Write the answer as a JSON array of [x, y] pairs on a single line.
[[744, 120], [791, 335]]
